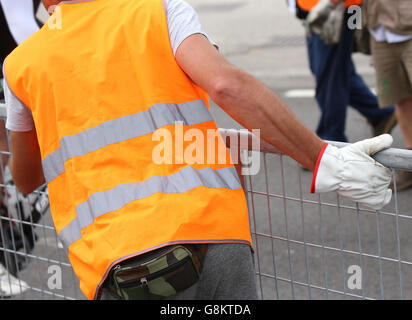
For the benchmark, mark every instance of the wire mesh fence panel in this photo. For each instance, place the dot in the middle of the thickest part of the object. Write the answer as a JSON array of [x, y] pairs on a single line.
[[324, 246], [306, 246], [34, 262]]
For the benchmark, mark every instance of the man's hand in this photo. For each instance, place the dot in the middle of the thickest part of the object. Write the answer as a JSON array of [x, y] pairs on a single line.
[[326, 20], [352, 173]]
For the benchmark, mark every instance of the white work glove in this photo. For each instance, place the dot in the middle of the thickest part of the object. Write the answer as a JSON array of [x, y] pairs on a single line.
[[352, 173], [326, 20]]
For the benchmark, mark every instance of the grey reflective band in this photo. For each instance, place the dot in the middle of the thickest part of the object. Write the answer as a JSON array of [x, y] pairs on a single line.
[[122, 129], [182, 181]]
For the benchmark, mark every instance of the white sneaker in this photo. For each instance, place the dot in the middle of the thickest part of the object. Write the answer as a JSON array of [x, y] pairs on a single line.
[[9, 285]]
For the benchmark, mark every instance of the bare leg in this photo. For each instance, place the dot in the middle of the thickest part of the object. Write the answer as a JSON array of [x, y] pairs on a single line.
[[404, 115]]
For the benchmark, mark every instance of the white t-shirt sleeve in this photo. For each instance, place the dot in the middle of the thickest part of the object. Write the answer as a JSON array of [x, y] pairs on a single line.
[[19, 117], [183, 22]]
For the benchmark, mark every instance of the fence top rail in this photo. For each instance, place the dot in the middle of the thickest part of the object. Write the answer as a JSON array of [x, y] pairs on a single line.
[[392, 158]]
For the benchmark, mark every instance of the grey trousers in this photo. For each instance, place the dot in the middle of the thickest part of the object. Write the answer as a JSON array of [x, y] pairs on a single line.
[[228, 274]]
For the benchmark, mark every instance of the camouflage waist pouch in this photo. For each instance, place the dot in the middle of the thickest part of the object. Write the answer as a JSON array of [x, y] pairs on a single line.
[[158, 274]]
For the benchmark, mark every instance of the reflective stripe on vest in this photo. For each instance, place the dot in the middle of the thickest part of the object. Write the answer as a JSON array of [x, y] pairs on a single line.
[[127, 127], [184, 180]]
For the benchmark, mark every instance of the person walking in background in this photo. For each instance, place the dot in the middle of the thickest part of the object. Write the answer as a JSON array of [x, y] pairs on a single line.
[[390, 24], [338, 85]]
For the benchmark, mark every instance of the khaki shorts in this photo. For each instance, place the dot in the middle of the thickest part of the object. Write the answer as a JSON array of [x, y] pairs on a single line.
[[393, 65]]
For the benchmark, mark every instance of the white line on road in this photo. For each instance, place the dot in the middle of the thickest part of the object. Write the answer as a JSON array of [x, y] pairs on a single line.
[[300, 93], [307, 93]]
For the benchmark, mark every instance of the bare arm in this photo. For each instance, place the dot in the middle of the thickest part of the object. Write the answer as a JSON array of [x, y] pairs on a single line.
[[248, 101], [25, 162]]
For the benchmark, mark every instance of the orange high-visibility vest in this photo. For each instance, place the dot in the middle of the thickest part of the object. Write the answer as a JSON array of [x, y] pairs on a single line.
[[100, 87], [309, 4]]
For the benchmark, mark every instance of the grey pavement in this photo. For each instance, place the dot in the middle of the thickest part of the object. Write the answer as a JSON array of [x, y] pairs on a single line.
[[303, 249]]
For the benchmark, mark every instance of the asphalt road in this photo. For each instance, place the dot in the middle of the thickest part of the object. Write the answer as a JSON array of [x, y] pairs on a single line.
[[300, 242]]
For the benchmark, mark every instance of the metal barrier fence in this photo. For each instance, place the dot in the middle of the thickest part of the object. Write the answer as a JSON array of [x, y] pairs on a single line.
[[306, 246]]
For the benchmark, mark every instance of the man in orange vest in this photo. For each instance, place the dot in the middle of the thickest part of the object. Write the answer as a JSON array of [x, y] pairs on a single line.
[[338, 85], [99, 86]]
